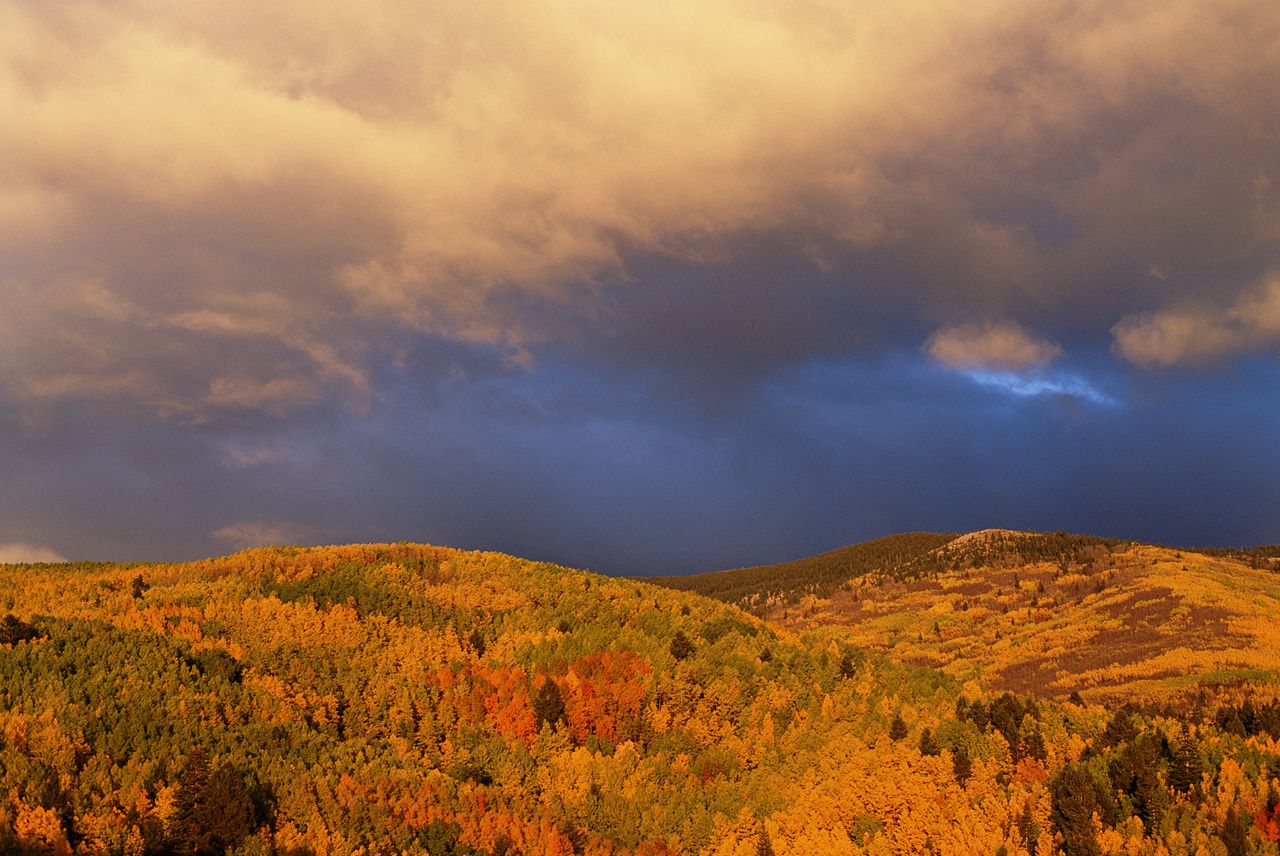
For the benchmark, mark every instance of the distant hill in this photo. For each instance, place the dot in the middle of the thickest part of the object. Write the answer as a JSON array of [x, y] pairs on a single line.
[[760, 587], [1055, 614]]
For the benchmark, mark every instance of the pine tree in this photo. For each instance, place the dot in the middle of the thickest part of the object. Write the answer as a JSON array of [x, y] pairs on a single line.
[[681, 647], [961, 765], [1185, 768], [1028, 829], [1076, 796], [548, 704], [215, 812], [898, 728]]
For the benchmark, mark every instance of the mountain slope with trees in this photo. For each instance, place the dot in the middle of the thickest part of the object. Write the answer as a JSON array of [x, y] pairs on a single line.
[[409, 699]]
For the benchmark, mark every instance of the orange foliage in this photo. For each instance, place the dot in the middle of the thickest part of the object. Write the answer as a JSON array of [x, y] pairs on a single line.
[[40, 829], [602, 692], [506, 702], [1268, 822]]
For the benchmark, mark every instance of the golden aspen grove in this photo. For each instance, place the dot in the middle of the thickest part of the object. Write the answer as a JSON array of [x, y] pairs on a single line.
[[400, 698]]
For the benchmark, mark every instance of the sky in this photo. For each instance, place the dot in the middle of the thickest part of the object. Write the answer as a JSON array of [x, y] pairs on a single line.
[[642, 288]]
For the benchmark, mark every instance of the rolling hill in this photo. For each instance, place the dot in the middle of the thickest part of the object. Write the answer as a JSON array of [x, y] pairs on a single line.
[[1042, 613], [401, 698]]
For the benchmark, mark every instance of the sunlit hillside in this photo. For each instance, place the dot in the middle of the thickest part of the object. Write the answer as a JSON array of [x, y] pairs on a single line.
[[1112, 621], [384, 699]]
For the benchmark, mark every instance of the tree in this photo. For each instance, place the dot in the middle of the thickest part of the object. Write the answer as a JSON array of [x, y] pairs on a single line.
[[1028, 829], [681, 647], [1121, 729], [1033, 745], [898, 728], [138, 586], [1134, 772], [961, 765], [217, 663], [1235, 832], [548, 704], [928, 745], [1075, 799], [215, 811], [1185, 767], [476, 641]]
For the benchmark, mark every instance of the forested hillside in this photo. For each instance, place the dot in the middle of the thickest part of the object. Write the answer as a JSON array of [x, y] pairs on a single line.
[[409, 699], [761, 586]]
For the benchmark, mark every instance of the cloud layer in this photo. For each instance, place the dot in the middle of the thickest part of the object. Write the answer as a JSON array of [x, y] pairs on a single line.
[[239, 233], [215, 211]]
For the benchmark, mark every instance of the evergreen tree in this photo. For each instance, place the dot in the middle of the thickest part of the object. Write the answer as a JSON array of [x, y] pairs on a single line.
[[1185, 767], [898, 728], [215, 812], [1235, 833], [961, 765], [681, 647], [1028, 829], [548, 704], [1074, 802]]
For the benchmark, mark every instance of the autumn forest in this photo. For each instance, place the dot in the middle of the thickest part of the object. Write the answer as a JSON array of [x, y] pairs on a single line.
[[378, 699]]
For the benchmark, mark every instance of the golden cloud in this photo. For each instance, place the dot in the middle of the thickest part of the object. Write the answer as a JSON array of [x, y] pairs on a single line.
[[1197, 334], [1001, 346], [208, 204]]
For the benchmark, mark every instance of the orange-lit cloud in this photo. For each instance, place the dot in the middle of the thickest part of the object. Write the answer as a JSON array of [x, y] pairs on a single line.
[[1004, 347], [219, 208], [1197, 334]]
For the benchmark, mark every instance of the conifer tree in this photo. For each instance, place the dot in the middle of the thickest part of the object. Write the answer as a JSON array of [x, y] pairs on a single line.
[[681, 647], [548, 704]]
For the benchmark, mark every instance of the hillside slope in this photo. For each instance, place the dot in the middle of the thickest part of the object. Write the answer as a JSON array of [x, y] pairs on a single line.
[[761, 587], [1110, 620], [379, 699]]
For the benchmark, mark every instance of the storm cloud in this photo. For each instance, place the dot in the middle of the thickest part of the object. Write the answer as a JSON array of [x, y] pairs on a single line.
[[634, 287]]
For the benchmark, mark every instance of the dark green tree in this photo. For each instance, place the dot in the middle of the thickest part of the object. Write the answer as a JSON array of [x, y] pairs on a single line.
[[898, 728], [1028, 829], [1235, 833], [548, 704], [215, 811], [961, 765], [1185, 766], [681, 647], [1075, 799], [14, 630], [1135, 772]]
